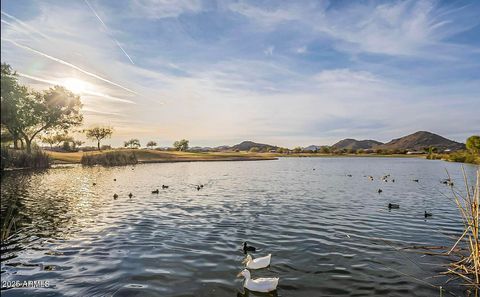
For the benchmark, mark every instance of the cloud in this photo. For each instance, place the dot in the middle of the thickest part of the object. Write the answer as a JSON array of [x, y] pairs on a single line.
[[24, 25], [68, 64], [405, 28], [267, 18], [108, 31], [301, 50], [235, 71], [87, 92], [269, 50], [158, 9]]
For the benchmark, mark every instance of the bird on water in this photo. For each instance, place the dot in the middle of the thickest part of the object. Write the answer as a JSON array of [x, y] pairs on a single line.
[[393, 205], [248, 248]]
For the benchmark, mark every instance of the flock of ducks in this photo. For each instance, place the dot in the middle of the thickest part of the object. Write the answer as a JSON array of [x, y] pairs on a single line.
[[157, 191], [385, 178], [263, 285], [266, 285]]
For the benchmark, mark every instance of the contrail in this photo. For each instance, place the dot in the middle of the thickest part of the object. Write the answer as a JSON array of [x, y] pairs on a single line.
[[108, 31], [23, 24], [91, 93], [69, 65]]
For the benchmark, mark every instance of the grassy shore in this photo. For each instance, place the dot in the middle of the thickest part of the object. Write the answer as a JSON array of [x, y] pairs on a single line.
[[154, 156]]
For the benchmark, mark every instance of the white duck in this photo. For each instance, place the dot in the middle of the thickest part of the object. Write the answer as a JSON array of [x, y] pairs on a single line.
[[257, 263], [260, 284]]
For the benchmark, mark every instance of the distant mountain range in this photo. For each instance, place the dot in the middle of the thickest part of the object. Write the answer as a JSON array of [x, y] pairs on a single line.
[[417, 141], [420, 140], [247, 145], [353, 144]]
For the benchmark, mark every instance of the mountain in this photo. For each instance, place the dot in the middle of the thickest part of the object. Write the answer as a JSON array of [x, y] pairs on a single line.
[[247, 145], [222, 148], [312, 148], [420, 140], [353, 144]]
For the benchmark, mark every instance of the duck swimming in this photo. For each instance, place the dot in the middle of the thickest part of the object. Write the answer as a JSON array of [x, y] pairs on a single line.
[[115, 196], [380, 191], [155, 191], [263, 285], [428, 214], [415, 180], [257, 263], [392, 205], [130, 195], [248, 248], [164, 187]]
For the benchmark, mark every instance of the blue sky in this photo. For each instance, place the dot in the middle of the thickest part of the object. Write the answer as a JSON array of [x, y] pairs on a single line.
[[282, 72]]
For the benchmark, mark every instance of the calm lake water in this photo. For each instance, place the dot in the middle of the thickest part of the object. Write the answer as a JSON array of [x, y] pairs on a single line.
[[330, 234]]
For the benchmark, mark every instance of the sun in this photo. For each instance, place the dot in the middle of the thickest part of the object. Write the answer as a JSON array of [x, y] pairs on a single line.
[[75, 85]]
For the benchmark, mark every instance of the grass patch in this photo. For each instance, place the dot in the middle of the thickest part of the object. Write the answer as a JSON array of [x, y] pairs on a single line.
[[21, 159], [111, 158], [152, 156]]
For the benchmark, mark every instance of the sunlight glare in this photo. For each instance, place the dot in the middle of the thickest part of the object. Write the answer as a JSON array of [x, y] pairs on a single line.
[[75, 85]]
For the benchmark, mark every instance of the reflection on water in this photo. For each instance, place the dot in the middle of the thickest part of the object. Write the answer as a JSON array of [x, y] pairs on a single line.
[[330, 234]]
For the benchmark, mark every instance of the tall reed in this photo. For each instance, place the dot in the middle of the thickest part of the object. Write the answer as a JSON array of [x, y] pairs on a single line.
[[114, 158], [21, 159], [8, 223], [466, 265]]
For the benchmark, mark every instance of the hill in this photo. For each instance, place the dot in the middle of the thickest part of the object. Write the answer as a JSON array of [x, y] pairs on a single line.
[[421, 140], [247, 145], [353, 144]]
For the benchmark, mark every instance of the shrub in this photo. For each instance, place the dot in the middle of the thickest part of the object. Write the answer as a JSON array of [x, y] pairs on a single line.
[[115, 158], [22, 159]]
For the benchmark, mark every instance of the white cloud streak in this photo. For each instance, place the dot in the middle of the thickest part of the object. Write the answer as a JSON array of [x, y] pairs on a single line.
[[69, 65], [87, 92], [108, 31], [24, 25]]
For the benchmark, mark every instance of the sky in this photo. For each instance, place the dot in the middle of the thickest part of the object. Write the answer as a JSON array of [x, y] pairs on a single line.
[[288, 73]]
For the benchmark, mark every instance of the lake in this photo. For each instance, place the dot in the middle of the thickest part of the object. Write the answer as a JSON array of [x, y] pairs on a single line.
[[330, 234]]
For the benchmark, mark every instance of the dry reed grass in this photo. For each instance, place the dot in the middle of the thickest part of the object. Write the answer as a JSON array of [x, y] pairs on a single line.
[[466, 250]]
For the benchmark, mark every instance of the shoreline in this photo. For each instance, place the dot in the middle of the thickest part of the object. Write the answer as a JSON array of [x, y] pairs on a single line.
[[153, 156]]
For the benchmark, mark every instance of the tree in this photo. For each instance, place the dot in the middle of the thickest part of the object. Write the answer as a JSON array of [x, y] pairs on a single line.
[[50, 140], [473, 144], [99, 133], [66, 146], [151, 144], [181, 145], [77, 143], [254, 149], [11, 95], [298, 149], [132, 143], [26, 113], [325, 149]]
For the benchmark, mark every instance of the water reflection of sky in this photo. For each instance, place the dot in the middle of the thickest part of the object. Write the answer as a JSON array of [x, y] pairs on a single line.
[[328, 232]]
